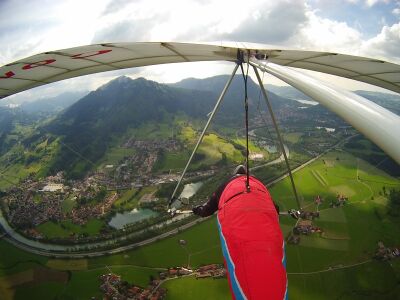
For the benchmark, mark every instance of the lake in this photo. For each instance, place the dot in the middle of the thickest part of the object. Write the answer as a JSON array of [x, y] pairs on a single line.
[[128, 217]]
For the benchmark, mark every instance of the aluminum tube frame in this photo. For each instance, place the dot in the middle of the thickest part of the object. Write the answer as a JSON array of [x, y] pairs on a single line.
[[221, 97], [377, 123], [264, 92]]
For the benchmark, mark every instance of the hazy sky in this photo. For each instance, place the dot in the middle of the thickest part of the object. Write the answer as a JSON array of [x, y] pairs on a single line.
[[359, 27]]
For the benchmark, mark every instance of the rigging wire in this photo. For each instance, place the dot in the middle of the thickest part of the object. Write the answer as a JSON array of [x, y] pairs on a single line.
[[270, 137], [217, 104], [246, 107]]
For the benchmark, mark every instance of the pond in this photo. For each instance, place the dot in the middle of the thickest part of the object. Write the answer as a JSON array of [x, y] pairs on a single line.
[[128, 217], [190, 189], [309, 102], [327, 129]]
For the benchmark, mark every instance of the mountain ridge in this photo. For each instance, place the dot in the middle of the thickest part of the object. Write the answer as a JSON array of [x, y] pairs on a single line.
[[91, 125]]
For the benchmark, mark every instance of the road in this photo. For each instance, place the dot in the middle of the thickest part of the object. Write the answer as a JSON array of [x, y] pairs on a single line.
[[332, 268], [101, 252]]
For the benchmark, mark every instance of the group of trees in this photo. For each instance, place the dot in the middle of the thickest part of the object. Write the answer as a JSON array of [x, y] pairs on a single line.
[[394, 202]]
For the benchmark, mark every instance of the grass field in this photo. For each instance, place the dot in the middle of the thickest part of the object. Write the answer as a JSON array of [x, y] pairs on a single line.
[[372, 280], [127, 201], [213, 149], [14, 260], [153, 131], [116, 154], [68, 204], [168, 252], [173, 161], [19, 169], [190, 288], [85, 284], [67, 264], [292, 137], [67, 228], [212, 146], [48, 290], [10, 176]]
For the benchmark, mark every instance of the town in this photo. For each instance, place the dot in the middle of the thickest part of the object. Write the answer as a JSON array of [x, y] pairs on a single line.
[[386, 253], [36, 201]]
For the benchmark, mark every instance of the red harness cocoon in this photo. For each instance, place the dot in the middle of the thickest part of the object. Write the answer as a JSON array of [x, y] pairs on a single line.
[[252, 241]]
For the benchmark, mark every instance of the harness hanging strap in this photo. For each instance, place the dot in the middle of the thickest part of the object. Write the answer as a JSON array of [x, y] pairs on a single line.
[[278, 134]]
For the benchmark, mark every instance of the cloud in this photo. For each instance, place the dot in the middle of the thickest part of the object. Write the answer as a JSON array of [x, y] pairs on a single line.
[[269, 24], [371, 3], [31, 27], [324, 34], [396, 11], [124, 31], [386, 44], [115, 6]]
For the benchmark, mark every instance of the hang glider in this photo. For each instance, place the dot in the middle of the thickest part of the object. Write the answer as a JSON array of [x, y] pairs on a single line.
[[375, 122]]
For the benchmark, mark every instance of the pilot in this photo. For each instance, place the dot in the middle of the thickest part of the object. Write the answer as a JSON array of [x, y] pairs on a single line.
[[251, 239]]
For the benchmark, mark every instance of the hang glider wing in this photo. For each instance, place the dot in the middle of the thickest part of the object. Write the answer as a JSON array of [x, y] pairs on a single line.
[[57, 65]]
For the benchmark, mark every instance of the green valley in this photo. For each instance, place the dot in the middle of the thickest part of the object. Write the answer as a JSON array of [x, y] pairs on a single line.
[[90, 186]]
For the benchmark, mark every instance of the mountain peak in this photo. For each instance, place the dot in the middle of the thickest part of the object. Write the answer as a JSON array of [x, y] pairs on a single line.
[[118, 82], [123, 79], [125, 82]]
